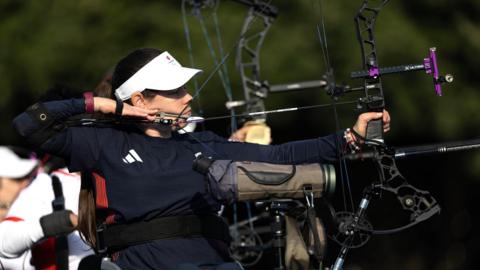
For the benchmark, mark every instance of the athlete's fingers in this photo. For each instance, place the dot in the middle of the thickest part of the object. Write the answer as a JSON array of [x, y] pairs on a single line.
[[361, 125]]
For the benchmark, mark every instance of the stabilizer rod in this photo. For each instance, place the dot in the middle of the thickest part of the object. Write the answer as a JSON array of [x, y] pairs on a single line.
[[428, 149]]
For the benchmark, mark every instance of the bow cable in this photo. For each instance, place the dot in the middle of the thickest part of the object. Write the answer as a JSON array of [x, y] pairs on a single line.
[[322, 37], [186, 30], [222, 72], [221, 62]]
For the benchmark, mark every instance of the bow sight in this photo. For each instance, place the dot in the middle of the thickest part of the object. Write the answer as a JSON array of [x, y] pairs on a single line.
[[429, 65]]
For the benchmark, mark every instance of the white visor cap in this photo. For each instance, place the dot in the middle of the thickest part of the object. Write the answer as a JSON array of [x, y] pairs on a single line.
[[12, 166], [163, 73]]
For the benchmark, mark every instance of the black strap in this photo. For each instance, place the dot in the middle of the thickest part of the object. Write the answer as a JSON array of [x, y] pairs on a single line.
[[311, 219], [118, 108], [202, 164], [61, 243], [59, 202], [120, 236], [61, 252]]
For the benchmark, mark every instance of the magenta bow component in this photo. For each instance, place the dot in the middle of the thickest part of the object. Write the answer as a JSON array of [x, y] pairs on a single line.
[[429, 65], [431, 68], [374, 72]]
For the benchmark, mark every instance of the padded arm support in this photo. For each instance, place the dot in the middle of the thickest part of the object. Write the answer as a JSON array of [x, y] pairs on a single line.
[[230, 181], [45, 121]]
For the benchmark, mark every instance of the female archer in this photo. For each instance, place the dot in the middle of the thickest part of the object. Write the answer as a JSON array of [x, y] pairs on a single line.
[[155, 210]]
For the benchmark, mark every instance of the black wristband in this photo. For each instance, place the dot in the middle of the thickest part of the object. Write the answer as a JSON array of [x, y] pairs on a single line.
[[119, 108], [358, 136], [57, 223]]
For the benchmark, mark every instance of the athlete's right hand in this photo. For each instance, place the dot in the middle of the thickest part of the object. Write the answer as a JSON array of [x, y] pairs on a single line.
[[148, 114], [108, 106]]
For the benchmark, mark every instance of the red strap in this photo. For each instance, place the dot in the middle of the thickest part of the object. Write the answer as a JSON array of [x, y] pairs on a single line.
[[110, 218], [14, 219], [101, 191], [43, 254], [89, 107]]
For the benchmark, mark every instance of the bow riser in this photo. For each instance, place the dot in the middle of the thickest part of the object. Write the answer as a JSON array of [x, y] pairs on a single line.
[[374, 99]]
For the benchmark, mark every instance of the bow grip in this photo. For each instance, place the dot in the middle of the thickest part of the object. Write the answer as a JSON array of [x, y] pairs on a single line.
[[374, 130]]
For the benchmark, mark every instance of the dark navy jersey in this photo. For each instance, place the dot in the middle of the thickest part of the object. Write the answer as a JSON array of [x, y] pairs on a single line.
[[147, 177]]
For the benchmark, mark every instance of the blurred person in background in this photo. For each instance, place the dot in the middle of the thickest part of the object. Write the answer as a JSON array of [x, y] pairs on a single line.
[[17, 168], [33, 223], [16, 172]]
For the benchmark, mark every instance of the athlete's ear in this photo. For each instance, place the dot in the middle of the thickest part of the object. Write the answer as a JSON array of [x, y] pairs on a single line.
[[138, 99]]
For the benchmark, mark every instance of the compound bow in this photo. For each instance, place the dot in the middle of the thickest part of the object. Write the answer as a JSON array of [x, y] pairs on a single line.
[[354, 229]]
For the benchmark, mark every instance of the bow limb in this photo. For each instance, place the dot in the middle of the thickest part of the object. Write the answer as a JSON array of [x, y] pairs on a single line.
[[259, 7], [248, 62]]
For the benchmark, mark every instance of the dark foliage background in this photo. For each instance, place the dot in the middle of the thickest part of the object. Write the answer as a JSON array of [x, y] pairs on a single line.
[[76, 42]]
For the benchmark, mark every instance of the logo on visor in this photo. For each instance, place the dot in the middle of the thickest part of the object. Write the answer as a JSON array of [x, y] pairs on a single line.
[[132, 157], [171, 60]]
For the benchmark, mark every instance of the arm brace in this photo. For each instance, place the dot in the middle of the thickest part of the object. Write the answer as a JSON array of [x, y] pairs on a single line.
[[57, 223], [230, 181], [42, 121], [45, 122]]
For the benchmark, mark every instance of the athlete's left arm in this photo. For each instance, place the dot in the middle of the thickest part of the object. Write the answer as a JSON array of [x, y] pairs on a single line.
[[323, 149]]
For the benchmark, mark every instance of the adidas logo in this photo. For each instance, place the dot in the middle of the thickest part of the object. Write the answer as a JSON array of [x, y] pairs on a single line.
[[131, 157]]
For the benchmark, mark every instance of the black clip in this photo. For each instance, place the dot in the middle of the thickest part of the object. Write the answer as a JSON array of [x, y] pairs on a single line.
[[100, 243]]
